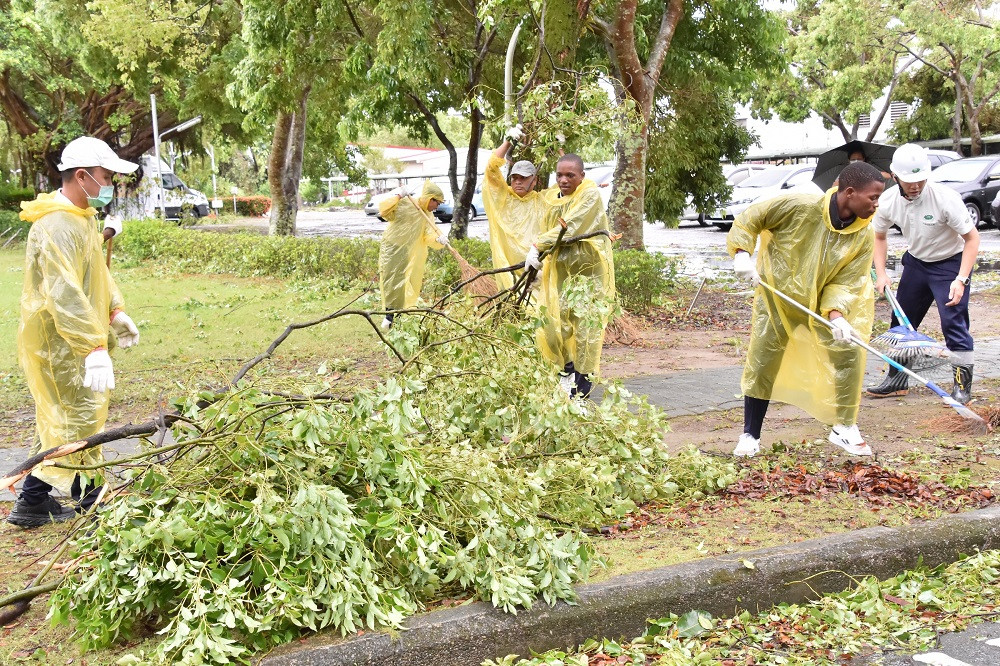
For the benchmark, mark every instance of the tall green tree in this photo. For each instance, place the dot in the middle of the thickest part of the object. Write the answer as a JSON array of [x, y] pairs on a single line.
[[959, 40], [652, 47], [841, 58]]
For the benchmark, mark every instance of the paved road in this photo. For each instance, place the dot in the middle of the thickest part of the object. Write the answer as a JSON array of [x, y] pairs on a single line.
[[701, 249], [977, 646]]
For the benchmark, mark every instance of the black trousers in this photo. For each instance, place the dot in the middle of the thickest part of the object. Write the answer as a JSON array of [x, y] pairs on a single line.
[[35, 491]]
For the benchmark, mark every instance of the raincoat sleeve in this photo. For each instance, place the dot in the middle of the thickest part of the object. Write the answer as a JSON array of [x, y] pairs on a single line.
[[431, 235], [853, 279], [495, 188], [61, 256], [578, 213], [751, 222], [387, 208]]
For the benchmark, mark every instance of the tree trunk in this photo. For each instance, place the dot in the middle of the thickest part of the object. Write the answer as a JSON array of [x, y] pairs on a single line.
[[562, 25], [284, 169], [629, 193], [463, 201], [956, 119]]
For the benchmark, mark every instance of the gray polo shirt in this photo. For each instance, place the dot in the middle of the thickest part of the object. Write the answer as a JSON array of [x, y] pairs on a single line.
[[933, 225]]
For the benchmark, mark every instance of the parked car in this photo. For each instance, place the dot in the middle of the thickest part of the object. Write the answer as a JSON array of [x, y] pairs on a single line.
[[996, 209], [445, 212], [940, 157], [762, 185], [977, 179], [735, 174]]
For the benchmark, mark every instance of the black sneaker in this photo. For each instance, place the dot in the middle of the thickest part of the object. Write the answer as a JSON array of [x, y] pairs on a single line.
[[36, 515]]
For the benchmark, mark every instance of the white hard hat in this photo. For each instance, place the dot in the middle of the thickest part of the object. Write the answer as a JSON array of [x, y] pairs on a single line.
[[910, 163], [86, 152]]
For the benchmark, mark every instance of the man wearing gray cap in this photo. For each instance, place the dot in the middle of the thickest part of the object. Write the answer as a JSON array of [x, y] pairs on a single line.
[[515, 212], [71, 316]]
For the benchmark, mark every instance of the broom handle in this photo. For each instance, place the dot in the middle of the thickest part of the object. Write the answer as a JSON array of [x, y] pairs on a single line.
[[889, 296], [108, 255], [951, 402]]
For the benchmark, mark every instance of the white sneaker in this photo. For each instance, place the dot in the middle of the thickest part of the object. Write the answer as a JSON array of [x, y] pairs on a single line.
[[849, 438], [567, 383], [386, 323], [747, 447]]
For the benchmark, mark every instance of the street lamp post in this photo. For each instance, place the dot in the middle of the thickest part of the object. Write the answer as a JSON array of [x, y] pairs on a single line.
[[157, 137]]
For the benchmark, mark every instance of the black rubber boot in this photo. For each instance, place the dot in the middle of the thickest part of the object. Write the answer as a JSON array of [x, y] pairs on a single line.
[[962, 391], [36, 515], [583, 385], [895, 383]]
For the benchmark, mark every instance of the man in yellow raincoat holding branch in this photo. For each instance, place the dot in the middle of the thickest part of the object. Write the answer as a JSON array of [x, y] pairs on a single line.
[[516, 212], [403, 250], [817, 249], [573, 334], [71, 317]]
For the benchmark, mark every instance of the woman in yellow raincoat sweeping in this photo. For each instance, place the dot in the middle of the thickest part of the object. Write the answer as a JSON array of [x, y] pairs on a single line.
[[403, 251], [817, 249], [70, 318], [573, 343]]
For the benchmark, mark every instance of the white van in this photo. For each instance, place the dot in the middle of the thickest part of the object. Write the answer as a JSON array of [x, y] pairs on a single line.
[[144, 201]]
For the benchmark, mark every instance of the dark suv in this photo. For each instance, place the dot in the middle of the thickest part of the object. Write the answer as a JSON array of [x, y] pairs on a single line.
[[977, 179]]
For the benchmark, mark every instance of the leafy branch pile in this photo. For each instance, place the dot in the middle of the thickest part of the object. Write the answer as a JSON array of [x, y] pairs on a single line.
[[467, 473], [907, 612]]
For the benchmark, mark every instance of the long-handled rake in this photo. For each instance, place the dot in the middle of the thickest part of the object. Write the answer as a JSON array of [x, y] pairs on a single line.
[[973, 420], [906, 343]]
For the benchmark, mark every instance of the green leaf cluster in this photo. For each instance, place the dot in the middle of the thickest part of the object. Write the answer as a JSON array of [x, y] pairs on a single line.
[[907, 612], [468, 473]]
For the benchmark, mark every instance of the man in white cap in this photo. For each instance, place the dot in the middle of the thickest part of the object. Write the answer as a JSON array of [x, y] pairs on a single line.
[[937, 266], [515, 212], [71, 316]]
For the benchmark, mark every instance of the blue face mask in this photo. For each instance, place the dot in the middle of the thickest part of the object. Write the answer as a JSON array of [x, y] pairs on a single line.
[[103, 198]]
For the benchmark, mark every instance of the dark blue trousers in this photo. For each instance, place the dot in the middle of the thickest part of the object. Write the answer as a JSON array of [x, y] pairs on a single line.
[[924, 283], [35, 491]]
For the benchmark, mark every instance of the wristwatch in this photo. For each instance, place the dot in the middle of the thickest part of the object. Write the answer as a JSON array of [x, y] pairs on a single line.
[[964, 280]]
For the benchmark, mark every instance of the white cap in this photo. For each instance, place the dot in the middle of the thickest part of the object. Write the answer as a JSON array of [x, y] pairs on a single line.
[[910, 163], [87, 152]]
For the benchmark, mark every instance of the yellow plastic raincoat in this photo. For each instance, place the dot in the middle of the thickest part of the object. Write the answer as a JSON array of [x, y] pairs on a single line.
[[565, 337], [403, 251], [514, 221], [66, 309], [793, 358]]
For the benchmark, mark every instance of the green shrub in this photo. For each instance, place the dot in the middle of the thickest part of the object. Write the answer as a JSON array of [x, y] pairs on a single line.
[[442, 269], [12, 225], [344, 259], [642, 277], [11, 197], [253, 206]]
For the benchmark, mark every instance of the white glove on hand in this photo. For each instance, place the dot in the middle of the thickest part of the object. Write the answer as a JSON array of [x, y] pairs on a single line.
[[126, 330], [842, 330], [443, 240], [745, 269], [515, 133], [531, 260], [99, 375], [113, 222]]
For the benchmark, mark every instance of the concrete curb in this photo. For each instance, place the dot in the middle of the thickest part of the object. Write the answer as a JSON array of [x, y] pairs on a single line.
[[619, 607]]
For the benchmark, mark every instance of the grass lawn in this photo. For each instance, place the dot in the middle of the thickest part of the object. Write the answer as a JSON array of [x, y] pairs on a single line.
[[196, 331]]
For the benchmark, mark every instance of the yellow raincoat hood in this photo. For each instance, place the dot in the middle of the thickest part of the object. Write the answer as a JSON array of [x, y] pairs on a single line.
[[792, 358], [66, 304], [46, 203]]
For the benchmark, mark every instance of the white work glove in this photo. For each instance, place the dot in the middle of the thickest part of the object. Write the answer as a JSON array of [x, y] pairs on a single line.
[[99, 375], [113, 222], [743, 266], [531, 260], [443, 240], [515, 133], [842, 330], [126, 330]]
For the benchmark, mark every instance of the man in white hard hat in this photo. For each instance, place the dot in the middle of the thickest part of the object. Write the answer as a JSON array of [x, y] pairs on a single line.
[[937, 267], [71, 316]]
